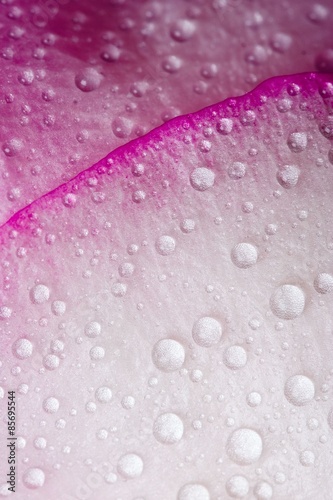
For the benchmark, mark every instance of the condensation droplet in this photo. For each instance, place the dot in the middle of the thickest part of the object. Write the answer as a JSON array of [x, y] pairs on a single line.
[[128, 402], [235, 357], [224, 126], [307, 458], [253, 399], [299, 390], [69, 200], [193, 491], [103, 394], [187, 226], [288, 176], [287, 302], [172, 64], [237, 170], [237, 486], [263, 491], [22, 348], [168, 355], [39, 294], [34, 478], [297, 142], [168, 428], [323, 283], [281, 42], [119, 289], [51, 362], [88, 79], [93, 329], [165, 245], [58, 307], [202, 179], [207, 331], [130, 466], [244, 255], [244, 446], [97, 353], [51, 405], [182, 30]]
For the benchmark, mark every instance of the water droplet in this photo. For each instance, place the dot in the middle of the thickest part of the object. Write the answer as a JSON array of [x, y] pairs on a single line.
[[244, 255], [237, 170], [297, 142], [103, 394], [244, 446], [307, 458], [284, 105], [126, 269], [235, 357], [92, 329], [224, 126], [271, 229], [202, 178], [247, 207], [187, 226], [110, 53], [34, 478], [182, 30], [91, 407], [256, 55], [288, 176], [97, 353], [22, 348], [51, 405], [118, 289], [5, 312], [130, 466], [26, 77], [248, 117], [138, 196], [39, 294], [237, 486], [168, 355], [88, 79], [287, 302], [205, 146], [281, 42], [253, 399], [326, 129], [165, 245], [299, 390], [323, 283], [263, 491], [168, 428], [207, 332], [40, 443], [128, 402], [171, 64], [12, 147], [324, 61], [122, 127], [138, 169], [209, 70], [69, 200], [51, 361], [193, 491], [318, 13], [58, 307]]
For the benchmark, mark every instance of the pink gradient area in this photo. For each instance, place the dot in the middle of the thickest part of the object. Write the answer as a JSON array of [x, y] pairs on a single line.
[[79, 79], [114, 247]]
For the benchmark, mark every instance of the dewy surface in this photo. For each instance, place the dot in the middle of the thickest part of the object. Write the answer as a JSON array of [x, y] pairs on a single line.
[[78, 78], [181, 346]]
